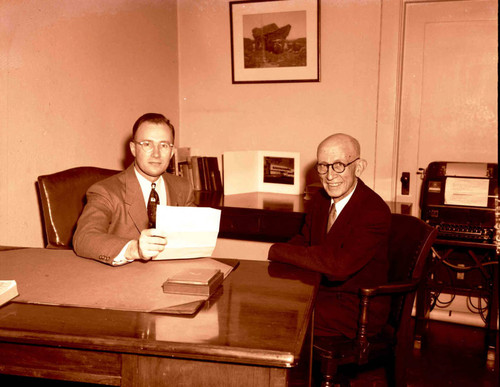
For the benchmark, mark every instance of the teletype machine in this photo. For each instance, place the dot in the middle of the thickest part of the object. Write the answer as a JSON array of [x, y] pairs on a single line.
[[461, 200]]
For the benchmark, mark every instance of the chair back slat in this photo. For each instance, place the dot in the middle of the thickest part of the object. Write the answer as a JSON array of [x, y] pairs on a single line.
[[410, 242]]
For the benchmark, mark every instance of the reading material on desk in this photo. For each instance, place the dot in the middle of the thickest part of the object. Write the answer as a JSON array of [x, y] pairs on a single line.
[[8, 290], [47, 277], [191, 231], [196, 281]]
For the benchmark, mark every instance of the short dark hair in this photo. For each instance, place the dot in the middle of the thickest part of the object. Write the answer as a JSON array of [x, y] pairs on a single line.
[[155, 118]]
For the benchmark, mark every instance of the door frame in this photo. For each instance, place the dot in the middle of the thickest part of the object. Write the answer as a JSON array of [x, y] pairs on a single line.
[[392, 38]]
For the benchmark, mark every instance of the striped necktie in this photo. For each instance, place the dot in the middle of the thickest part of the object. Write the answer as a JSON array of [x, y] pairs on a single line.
[[332, 215], [153, 201]]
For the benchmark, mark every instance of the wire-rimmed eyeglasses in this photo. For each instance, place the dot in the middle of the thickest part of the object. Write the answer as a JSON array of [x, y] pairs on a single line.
[[148, 146], [337, 167]]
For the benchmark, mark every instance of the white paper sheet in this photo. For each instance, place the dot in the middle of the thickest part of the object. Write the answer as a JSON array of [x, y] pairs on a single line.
[[464, 191], [191, 231]]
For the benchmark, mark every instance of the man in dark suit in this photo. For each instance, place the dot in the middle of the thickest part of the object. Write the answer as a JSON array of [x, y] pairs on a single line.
[[114, 227], [350, 253]]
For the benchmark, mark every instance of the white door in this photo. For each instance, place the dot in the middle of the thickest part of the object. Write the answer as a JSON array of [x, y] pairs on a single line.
[[449, 88]]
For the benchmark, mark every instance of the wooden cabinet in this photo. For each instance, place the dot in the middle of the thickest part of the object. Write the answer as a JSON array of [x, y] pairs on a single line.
[[264, 217]]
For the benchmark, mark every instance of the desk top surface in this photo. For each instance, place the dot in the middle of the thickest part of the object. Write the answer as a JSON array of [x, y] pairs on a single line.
[[260, 316], [268, 201]]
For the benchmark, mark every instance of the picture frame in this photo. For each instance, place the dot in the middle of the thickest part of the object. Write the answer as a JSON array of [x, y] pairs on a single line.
[[279, 172], [275, 41], [261, 171]]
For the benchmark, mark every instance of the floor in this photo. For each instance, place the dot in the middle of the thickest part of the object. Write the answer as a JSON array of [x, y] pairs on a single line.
[[454, 356]]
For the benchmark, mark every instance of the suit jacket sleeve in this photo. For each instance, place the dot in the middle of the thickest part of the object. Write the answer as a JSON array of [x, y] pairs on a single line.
[[358, 236], [93, 237]]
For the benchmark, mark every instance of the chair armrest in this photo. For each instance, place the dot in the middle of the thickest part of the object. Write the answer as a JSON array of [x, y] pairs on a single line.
[[395, 287], [366, 295]]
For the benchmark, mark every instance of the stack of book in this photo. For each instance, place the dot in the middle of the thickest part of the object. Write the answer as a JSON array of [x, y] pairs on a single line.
[[202, 171], [194, 281]]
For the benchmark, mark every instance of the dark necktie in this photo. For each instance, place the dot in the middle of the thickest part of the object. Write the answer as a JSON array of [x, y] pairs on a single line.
[[331, 217], [153, 201]]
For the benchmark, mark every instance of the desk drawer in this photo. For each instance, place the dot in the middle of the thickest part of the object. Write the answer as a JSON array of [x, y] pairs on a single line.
[[60, 364]]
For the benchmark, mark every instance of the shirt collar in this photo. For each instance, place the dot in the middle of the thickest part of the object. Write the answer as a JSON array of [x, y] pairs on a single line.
[[339, 206], [146, 187]]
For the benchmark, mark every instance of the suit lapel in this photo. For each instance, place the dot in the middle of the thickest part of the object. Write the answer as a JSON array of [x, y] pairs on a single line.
[[320, 218], [134, 200], [350, 211], [170, 189]]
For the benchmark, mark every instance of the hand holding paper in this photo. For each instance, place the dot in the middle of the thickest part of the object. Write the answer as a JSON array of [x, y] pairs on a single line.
[[191, 231], [151, 242]]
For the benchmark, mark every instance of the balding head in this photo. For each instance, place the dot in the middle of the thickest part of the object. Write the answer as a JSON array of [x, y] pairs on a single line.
[[349, 144]]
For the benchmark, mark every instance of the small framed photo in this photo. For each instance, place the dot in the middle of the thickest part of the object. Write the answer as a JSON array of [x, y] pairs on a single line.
[[261, 171], [274, 41], [278, 172]]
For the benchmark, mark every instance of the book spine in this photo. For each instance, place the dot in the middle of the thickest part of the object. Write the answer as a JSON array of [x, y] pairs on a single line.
[[202, 290], [208, 177], [203, 173], [215, 174], [196, 173]]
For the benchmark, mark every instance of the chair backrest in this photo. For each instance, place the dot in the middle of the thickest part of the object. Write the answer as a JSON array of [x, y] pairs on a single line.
[[62, 197], [410, 242]]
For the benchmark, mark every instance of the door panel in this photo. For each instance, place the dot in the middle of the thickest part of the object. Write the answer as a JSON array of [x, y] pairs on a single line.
[[449, 88]]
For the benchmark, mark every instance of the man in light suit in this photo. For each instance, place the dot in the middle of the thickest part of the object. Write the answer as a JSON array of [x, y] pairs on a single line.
[[353, 252], [114, 226]]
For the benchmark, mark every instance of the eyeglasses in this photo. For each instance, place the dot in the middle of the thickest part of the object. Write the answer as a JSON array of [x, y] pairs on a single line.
[[148, 146], [337, 167]]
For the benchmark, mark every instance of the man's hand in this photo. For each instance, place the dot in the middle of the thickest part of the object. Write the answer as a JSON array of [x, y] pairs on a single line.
[[151, 243]]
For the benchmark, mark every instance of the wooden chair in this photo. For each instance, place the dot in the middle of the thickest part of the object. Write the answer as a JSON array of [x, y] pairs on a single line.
[[410, 242], [62, 197]]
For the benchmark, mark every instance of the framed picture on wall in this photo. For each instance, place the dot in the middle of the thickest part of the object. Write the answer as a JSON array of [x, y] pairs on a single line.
[[274, 41]]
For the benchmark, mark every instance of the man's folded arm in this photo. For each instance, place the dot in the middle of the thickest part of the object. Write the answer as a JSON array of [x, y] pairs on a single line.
[[338, 263]]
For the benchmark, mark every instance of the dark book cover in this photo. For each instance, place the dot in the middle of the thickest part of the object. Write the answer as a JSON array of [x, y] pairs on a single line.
[[206, 171], [196, 173], [215, 175], [194, 282], [202, 171]]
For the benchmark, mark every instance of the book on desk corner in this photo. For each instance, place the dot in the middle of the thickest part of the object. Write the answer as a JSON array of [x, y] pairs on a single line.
[[8, 290], [195, 281]]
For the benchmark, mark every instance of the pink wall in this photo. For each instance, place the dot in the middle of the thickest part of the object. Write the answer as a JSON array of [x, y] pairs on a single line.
[[74, 76], [217, 116]]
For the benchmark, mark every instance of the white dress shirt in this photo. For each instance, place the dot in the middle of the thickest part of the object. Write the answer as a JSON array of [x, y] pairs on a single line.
[[339, 206], [146, 191]]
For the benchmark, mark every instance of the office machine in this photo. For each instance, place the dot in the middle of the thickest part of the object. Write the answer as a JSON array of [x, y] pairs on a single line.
[[459, 199]]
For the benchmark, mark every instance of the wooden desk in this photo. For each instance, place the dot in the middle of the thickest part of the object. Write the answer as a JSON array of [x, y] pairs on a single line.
[[264, 217], [256, 332]]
